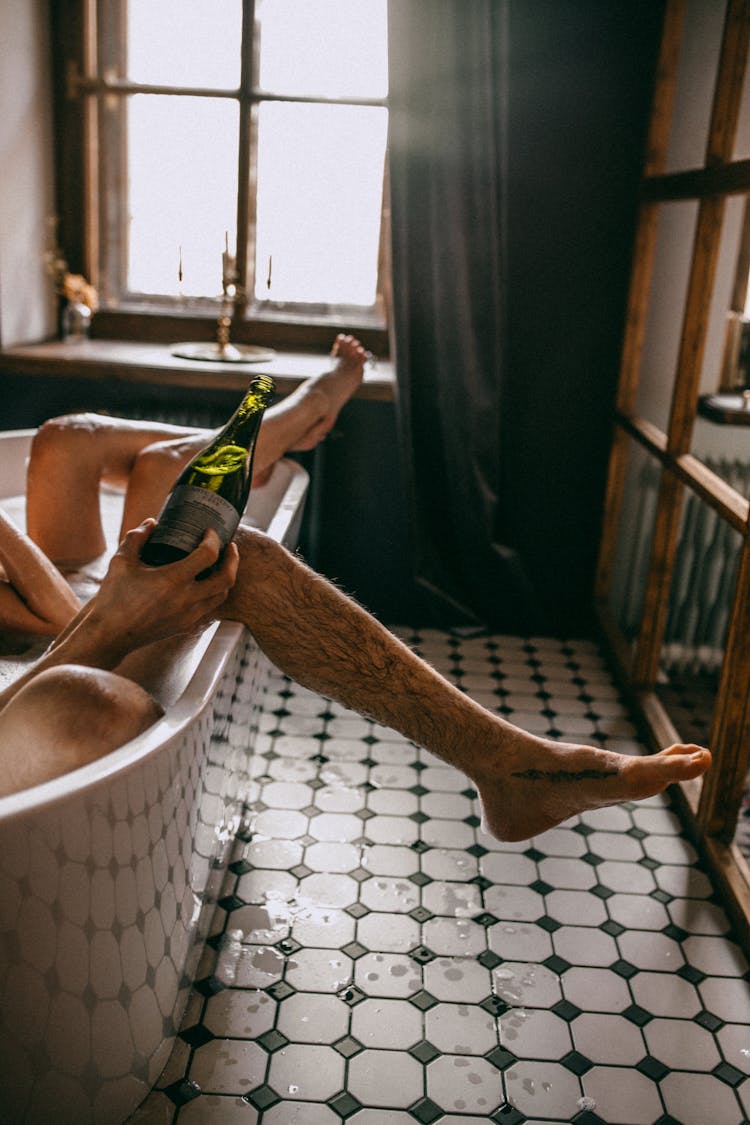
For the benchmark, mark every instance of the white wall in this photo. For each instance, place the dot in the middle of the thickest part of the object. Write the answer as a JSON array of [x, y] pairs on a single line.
[[27, 306]]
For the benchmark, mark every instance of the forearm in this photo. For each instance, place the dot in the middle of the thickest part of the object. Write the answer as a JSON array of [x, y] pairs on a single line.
[[45, 601]]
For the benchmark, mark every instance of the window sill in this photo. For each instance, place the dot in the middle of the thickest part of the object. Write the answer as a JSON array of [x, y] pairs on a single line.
[[125, 361]]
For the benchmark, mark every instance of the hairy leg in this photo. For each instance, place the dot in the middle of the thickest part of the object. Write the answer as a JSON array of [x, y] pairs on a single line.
[[326, 642], [70, 457], [65, 718]]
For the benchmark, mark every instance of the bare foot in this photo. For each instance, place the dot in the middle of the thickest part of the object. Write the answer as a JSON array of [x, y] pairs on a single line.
[[330, 390], [302, 420], [536, 783]]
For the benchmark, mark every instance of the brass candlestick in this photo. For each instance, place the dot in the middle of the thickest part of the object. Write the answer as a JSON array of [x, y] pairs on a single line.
[[222, 351]]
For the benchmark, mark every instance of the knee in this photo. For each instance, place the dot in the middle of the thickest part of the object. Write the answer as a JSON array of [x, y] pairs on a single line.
[[63, 435], [260, 556], [65, 718], [88, 706]]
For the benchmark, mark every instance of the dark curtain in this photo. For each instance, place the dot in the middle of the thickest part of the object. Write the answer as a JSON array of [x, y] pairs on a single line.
[[448, 99]]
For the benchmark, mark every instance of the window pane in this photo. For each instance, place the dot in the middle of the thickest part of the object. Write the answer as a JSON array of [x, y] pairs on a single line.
[[320, 181], [184, 42], [332, 48], [182, 192]]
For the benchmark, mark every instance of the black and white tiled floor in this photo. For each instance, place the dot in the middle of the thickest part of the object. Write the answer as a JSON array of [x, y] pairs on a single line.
[[376, 959]]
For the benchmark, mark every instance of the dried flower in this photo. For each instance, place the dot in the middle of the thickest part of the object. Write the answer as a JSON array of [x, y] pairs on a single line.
[[73, 286], [77, 289]]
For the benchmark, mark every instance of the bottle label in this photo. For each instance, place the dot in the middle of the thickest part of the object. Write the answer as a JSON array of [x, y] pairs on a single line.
[[187, 515]]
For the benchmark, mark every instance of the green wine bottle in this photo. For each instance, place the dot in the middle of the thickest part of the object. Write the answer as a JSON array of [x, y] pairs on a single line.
[[212, 490]]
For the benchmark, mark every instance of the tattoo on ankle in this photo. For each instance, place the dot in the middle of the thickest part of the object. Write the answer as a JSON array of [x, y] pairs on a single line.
[[565, 775]]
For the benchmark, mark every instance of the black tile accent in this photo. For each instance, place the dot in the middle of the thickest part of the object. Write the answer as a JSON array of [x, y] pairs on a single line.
[[424, 1051], [262, 1097], [423, 1000], [425, 1111], [279, 990], [624, 969], [420, 879], [421, 914], [592, 859], [485, 919], [209, 986], [182, 1092], [548, 924], [534, 854], [287, 946], [637, 1015], [647, 862], [354, 950], [556, 964], [652, 1068], [489, 959], [662, 896], [472, 821], [577, 1063], [729, 1074], [675, 932], [300, 871], [357, 910], [477, 851], [470, 793], [688, 972], [240, 867], [541, 887], [500, 1058], [565, 1010], [420, 846], [344, 1104], [614, 929], [481, 882], [422, 954], [272, 1040], [196, 1035], [348, 1046], [709, 1021], [508, 1115], [231, 902], [351, 995], [602, 892], [494, 1005]]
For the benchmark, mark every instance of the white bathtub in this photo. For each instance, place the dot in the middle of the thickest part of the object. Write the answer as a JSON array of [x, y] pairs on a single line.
[[108, 875]]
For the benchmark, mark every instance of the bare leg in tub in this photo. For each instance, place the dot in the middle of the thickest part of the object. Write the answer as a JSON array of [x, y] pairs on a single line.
[[73, 455]]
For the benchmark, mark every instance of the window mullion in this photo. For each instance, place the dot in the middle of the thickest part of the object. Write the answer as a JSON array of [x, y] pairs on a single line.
[[246, 162]]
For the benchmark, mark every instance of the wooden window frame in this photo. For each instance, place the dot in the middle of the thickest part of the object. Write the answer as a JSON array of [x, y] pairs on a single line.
[[77, 89], [710, 807]]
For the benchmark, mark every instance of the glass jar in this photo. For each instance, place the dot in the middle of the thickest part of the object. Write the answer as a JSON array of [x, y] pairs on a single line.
[[76, 321]]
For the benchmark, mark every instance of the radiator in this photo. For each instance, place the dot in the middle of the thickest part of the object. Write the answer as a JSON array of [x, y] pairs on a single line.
[[704, 576]]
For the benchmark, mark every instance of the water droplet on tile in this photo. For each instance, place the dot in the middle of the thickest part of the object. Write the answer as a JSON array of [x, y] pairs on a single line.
[[586, 1103], [529, 1086], [293, 1089]]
